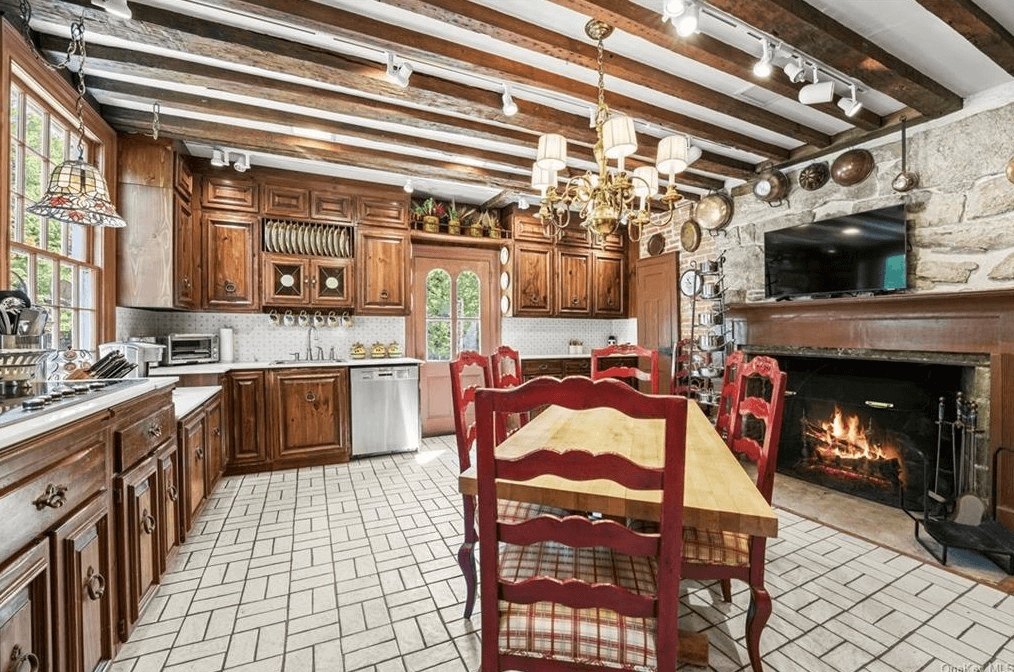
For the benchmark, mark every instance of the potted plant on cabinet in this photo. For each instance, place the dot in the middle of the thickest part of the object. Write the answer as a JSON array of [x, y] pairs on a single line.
[[430, 212], [453, 219]]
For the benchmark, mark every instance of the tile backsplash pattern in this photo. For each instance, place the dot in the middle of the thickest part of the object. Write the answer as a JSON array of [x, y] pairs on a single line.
[[256, 339], [550, 336]]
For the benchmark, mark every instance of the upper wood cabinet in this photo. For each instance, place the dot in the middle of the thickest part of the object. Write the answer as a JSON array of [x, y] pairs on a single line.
[[279, 200], [380, 211], [332, 206], [231, 251], [186, 256], [526, 227], [382, 262], [533, 272], [610, 291], [290, 280], [229, 193], [183, 178], [573, 282], [310, 416]]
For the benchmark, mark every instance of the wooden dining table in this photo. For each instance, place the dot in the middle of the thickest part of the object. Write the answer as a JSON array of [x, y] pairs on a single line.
[[718, 492]]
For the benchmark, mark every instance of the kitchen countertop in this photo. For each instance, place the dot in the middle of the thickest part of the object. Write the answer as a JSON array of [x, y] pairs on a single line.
[[225, 367], [30, 428], [186, 399], [586, 355]]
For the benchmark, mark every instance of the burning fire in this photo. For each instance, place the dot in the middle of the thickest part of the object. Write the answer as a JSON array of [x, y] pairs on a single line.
[[844, 437]]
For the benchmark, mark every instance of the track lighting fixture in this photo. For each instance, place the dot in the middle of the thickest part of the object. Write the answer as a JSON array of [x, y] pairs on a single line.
[[850, 107], [795, 70], [688, 21], [115, 7], [818, 92], [409, 187], [762, 68], [510, 108], [242, 164], [220, 158], [673, 8], [399, 74]]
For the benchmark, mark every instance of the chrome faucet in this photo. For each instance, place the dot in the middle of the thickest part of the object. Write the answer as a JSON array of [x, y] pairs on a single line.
[[309, 343]]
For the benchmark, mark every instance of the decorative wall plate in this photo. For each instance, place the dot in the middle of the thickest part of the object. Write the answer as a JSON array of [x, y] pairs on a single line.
[[690, 235], [505, 255], [656, 245], [814, 176], [505, 280], [505, 304]]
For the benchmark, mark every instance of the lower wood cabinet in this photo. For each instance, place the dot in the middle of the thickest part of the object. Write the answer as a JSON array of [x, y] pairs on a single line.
[[246, 400], [193, 433], [171, 500], [25, 617], [136, 497], [83, 591], [217, 456], [310, 416]]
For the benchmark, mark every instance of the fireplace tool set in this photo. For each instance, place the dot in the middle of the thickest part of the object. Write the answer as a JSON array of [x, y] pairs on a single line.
[[952, 512]]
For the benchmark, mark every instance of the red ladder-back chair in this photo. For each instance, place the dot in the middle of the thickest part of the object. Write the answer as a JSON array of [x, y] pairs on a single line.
[[549, 581], [679, 382], [730, 555], [597, 373], [505, 363], [729, 396]]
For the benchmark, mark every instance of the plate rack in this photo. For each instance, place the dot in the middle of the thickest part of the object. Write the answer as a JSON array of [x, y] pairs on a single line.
[[307, 239]]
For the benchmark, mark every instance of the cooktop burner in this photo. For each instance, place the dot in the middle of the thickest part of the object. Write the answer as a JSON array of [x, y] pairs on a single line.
[[22, 401]]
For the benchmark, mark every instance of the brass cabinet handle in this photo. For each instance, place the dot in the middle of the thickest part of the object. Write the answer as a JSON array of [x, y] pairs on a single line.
[[95, 584], [54, 497], [384, 294], [573, 300], [218, 431], [173, 493], [154, 430], [230, 287], [147, 522], [186, 282], [311, 397], [199, 453], [19, 659]]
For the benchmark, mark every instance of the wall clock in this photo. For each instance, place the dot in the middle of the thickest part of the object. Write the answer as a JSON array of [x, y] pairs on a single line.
[[690, 282], [690, 235]]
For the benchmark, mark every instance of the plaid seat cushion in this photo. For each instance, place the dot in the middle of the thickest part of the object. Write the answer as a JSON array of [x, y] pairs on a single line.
[[709, 547], [592, 636], [509, 511]]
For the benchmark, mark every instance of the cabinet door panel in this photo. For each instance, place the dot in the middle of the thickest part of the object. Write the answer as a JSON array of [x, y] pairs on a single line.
[[231, 246], [247, 433], [25, 636], [229, 193], [280, 200], [332, 206], [183, 178], [527, 227], [532, 273], [610, 285], [331, 283], [381, 260], [376, 211], [138, 542], [170, 520], [186, 251], [216, 443], [311, 410], [194, 433], [573, 282], [286, 282]]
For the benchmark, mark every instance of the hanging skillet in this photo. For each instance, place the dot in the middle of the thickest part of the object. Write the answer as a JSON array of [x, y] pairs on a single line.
[[905, 180]]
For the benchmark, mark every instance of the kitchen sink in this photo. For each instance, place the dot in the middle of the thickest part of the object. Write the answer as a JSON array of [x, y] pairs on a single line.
[[304, 362]]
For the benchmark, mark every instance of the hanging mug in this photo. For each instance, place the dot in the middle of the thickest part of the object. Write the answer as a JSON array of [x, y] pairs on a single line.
[[274, 318], [318, 319], [304, 318], [332, 319], [288, 319]]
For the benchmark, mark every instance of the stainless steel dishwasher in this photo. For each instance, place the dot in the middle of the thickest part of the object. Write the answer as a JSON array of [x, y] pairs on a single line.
[[385, 409]]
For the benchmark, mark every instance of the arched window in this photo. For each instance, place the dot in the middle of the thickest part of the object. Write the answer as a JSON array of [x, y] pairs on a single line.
[[448, 331]]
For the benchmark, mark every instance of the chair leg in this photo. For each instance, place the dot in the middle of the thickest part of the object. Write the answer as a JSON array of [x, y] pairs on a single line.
[[756, 619], [727, 590], [466, 555]]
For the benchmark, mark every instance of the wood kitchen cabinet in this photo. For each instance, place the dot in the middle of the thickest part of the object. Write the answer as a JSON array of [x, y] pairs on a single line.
[[186, 256], [610, 284], [231, 250], [170, 499], [281, 200], [332, 206], [573, 282], [217, 456], [384, 211], [136, 498], [382, 262], [290, 280], [533, 271], [246, 400], [194, 448], [83, 592], [309, 409], [226, 192], [25, 617]]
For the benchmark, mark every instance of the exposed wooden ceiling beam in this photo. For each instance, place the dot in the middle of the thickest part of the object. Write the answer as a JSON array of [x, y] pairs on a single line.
[[974, 24], [648, 25], [446, 53], [265, 142], [813, 32]]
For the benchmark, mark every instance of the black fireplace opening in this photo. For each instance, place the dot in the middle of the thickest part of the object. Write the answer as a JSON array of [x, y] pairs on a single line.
[[867, 427]]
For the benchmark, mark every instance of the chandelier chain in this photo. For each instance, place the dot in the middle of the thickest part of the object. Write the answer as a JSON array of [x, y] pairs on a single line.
[[155, 121], [77, 36]]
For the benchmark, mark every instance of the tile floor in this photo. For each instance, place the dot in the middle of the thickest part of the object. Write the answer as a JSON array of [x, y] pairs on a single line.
[[352, 567]]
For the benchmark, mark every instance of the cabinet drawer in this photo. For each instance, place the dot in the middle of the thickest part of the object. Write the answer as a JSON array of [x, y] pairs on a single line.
[[34, 505], [140, 438], [577, 367], [542, 367]]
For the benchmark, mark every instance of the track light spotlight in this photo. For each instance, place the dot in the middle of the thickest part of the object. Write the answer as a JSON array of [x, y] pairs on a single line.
[[242, 163], [673, 8], [818, 92], [399, 74], [115, 7], [510, 108], [409, 187], [795, 70], [762, 68], [219, 158], [850, 107], [689, 20]]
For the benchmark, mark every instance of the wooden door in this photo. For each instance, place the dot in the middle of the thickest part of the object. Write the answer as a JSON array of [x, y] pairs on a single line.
[[83, 590], [382, 259], [25, 636], [658, 310], [456, 291], [232, 244], [136, 499], [247, 433], [194, 432], [573, 282], [533, 272], [286, 281], [170, 513], [610, 285], [217, 456], [186, 255], [310, 413]]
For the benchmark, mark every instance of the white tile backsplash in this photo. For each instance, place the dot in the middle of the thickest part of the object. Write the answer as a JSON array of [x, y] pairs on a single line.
[[550, 336]]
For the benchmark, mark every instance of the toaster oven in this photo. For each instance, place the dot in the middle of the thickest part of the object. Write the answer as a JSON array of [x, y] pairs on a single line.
[[188, 349]]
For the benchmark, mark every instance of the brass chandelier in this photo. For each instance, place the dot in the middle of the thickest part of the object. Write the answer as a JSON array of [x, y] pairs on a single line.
[[613, 195]]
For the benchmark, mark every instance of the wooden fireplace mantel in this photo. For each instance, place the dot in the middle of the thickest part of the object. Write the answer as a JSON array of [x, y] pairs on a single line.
[[959, 322]]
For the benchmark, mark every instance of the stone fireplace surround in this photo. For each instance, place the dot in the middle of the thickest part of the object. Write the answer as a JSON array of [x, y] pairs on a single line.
[[966, 327]]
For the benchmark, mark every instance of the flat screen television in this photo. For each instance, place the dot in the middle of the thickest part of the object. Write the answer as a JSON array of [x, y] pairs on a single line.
[[862, 252]]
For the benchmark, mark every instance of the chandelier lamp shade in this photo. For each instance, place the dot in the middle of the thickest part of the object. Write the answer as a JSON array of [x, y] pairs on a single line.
[[611, 195]]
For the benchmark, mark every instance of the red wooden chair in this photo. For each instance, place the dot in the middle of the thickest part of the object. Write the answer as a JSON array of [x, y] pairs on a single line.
[[505, 363], [729, 396], [729, 555], [679, 382], [569, 593], [598, 373]]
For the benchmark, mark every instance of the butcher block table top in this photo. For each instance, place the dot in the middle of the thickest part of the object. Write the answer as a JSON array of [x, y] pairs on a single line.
[[719, 495]]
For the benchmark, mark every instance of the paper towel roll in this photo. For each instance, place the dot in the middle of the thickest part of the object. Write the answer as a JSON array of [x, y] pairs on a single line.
[[226, 344]]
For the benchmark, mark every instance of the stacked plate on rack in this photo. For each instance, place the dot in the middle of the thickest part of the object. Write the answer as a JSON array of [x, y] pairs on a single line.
[[318, 240]]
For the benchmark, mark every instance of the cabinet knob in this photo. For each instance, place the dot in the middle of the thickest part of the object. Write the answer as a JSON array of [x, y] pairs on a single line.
[[172, 492], [186, 282], [229, 286], [154, 430], [199, 453], [218, 431], [54, 497], [147, 522], [384, 294], [311, 397], [19, 660], [95, 584], [573, 300], [609, 301]]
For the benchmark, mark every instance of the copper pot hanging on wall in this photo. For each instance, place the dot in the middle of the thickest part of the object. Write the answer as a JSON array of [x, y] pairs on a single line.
[[772, 186], [814, 176], [852, 167]]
